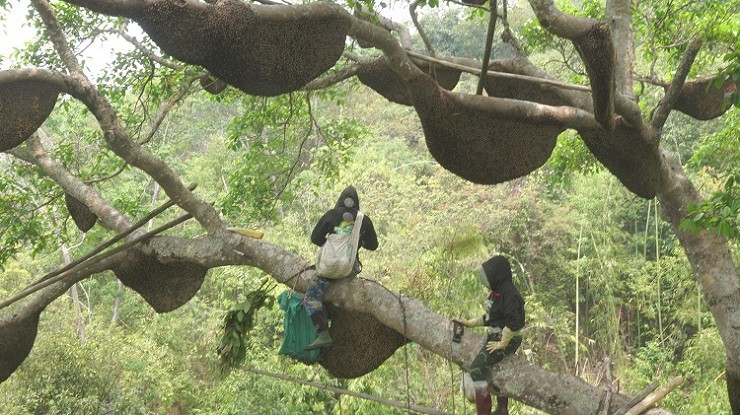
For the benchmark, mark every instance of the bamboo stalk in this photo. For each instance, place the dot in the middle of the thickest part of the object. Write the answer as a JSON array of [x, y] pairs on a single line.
[[477, 72], [111, 241], [32, 289], [384, 401], [655, 397], [637, 398]]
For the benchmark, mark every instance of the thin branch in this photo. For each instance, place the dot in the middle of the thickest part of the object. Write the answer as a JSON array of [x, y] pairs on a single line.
[[489, 44], [331, 79], [109, 176], [167, 106], [148, 52], [412, 11], [682, 71]]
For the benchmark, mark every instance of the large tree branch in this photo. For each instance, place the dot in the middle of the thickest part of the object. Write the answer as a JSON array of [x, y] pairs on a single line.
[[559, 23], [116, 136], [619, 19], [682, 71], [35, 154]]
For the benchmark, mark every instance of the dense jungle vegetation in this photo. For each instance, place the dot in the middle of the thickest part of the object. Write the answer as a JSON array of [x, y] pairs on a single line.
[[587, 252]]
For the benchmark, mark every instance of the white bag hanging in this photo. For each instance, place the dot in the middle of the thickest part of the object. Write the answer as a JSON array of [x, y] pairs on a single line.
[[336, 258]]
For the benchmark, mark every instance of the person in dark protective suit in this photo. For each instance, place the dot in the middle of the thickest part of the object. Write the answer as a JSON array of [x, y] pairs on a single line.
[[504, 318], [339, 219]]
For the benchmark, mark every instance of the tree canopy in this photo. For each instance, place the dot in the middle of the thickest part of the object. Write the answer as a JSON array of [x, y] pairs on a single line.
[[258, 90]]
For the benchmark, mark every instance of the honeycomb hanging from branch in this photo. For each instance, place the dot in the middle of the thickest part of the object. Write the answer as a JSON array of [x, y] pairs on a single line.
[[635, 161], [24, 106], [16, 342], [521, 89], [474, 143], [597, 52], [83, 217], [262, 50], [361, 343], [379, 76], [165, 286], [703, 101]]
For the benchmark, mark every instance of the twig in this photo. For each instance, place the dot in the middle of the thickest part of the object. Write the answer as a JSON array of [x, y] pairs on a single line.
[[489, 43], [422, 34]]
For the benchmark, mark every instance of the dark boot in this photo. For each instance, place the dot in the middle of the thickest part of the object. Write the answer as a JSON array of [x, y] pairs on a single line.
[[483, 401], [502, 406]]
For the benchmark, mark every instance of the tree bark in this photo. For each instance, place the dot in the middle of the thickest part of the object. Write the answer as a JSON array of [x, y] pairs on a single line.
[[711, 260]]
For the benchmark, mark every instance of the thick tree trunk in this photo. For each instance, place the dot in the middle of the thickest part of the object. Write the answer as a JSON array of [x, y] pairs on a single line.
[[713, 266]]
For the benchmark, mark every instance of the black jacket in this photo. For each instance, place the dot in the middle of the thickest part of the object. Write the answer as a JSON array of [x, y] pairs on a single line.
[[345, 211], [505, 305]]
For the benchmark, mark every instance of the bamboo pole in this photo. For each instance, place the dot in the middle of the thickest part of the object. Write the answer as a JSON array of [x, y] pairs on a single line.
[[477, 72], [655, 397], [34, 288], [637, 398], [384, 401], [110, 242]]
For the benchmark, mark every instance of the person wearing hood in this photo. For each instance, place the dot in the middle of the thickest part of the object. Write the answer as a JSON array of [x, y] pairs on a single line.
[[504, 318], [341, 219]]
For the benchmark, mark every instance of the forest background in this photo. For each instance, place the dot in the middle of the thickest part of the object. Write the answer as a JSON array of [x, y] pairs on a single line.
[[577, 238]]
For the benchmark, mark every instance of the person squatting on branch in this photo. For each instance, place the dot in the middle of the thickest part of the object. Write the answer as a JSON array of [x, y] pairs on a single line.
[[340, 220], [504, 318]]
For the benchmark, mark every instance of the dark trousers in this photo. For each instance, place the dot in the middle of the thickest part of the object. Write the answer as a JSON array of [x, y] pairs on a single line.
[[481, 367]]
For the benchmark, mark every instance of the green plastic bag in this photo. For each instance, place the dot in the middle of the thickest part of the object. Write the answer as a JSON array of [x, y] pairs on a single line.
[[299, 330]]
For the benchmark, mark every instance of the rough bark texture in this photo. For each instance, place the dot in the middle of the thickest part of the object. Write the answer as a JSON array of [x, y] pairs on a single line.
[[520, 89], [16, 342], [635, 160], [712, 262], [597, 52], [165, 286], [83, 217], [476, 144], [379, 76], [361, 343], [24, 106], [701, 100], [259, 54]]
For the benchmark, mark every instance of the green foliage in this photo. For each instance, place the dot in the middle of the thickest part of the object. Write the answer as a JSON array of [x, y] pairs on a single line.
[[720, 213], [239, 321]]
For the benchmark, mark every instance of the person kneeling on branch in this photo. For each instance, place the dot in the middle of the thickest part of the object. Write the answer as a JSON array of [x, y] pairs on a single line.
[[338, 257], [504, 318]]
